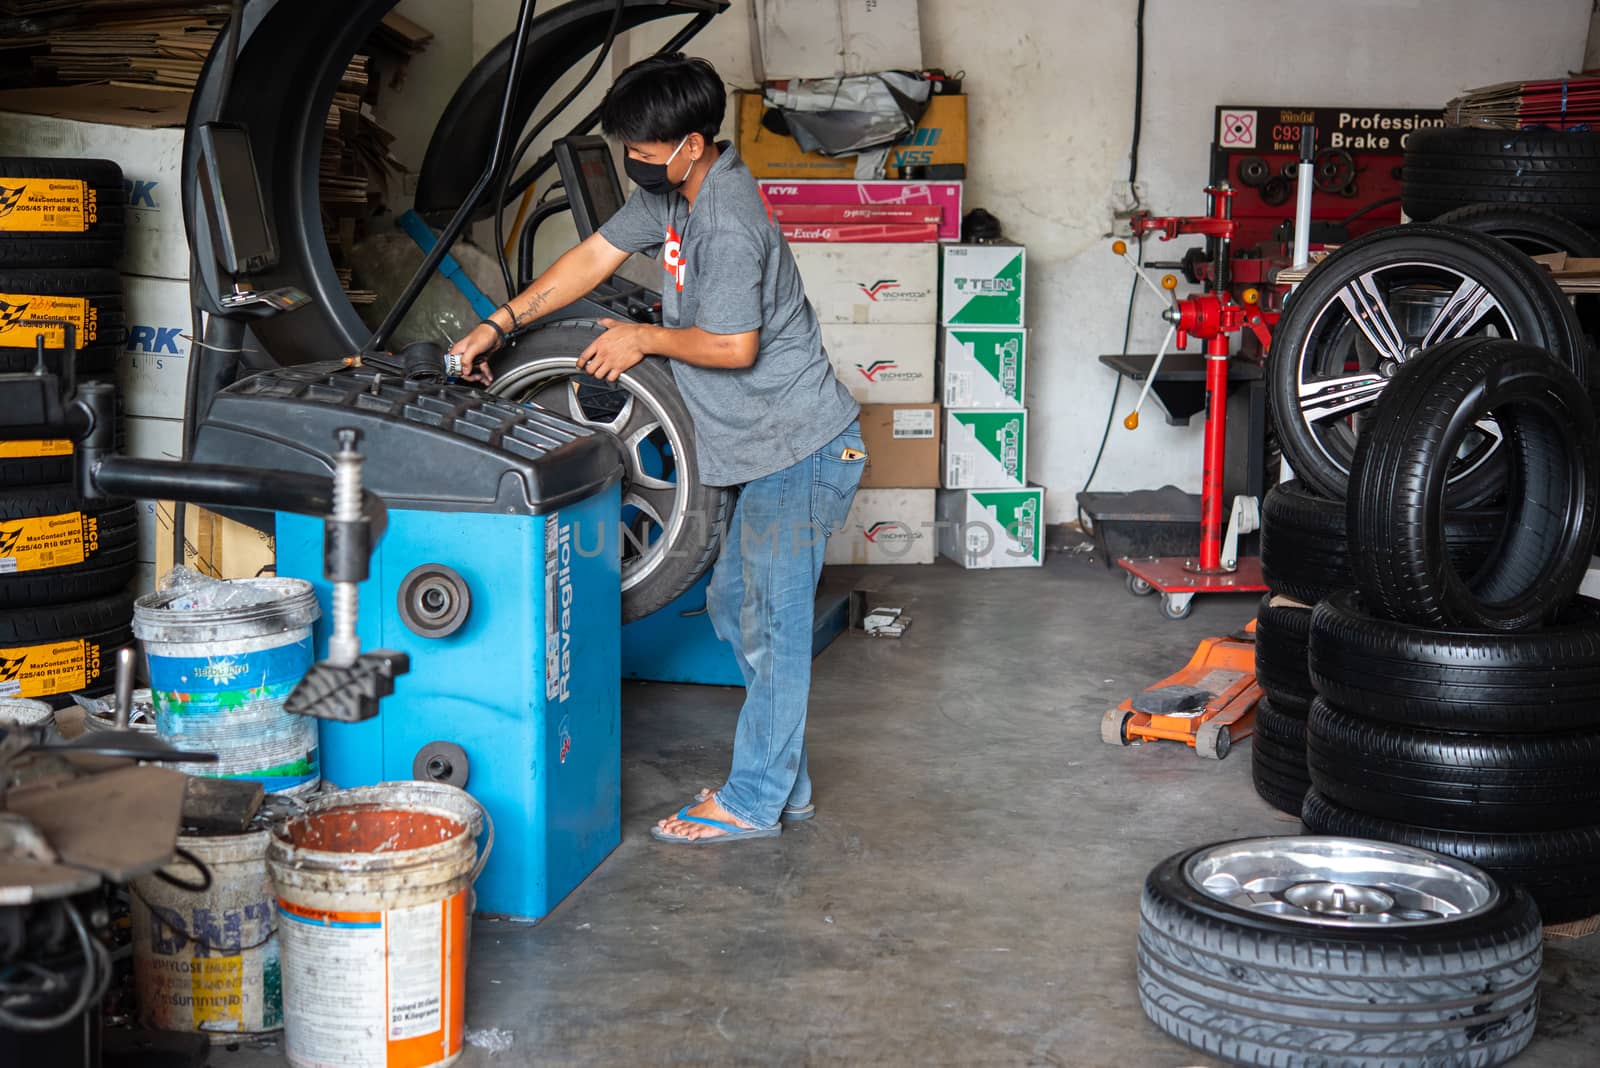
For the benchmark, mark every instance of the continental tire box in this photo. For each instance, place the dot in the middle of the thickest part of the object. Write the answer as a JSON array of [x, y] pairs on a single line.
[[982, 285], [886, 526], [870, 283], [985, 449], [984, 529]]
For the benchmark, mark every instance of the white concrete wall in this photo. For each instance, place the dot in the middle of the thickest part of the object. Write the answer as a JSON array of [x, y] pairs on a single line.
[[1051, 86]]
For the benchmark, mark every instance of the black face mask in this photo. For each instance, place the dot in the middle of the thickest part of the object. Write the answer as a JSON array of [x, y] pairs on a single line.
[[652, 177]]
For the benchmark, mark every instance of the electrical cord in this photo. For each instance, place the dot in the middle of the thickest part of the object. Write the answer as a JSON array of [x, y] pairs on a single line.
[[96, 977], [195, 862], [1133, 290], [504, 183]]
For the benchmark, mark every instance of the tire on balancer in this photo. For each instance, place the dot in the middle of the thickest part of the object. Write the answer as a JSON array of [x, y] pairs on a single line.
[[1396, 504]]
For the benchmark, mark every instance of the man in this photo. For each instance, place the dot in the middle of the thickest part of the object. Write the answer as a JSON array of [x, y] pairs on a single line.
[[771, 420]]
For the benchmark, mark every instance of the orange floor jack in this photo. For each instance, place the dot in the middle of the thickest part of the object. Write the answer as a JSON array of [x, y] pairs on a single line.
[[1208, 705]]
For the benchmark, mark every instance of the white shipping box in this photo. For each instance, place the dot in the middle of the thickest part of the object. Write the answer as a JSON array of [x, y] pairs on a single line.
[[807, 39], [886, 526], [151, 162], [892, 363], [154, 368], [983, 367], [984, 529], [982, 285], [151, 439], [870, 283], [985, 449]]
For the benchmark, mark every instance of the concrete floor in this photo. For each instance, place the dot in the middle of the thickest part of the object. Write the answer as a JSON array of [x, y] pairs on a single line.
[[968, 893]]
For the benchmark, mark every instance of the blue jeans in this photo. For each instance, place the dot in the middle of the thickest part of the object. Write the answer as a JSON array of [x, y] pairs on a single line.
[[760, 601]]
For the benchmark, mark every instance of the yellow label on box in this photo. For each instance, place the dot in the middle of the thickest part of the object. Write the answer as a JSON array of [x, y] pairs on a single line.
[[33, 450], [23, 316], [47, 205], [47, 541], [51, 668]]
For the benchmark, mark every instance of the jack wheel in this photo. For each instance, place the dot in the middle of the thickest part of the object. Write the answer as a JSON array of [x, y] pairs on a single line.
[[1114, 727], [1138, 586], [1173, 608], [1213, 741]]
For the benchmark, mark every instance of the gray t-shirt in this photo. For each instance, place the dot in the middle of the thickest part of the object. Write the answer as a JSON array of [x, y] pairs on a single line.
[[728, 271]]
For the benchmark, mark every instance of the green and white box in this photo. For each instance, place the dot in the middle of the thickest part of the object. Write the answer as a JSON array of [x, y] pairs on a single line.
[[886, 526], [984, 367], [985, 448], [981, 285], [984, 529]]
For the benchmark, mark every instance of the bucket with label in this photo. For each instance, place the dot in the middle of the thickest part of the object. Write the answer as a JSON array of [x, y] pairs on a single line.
[[223, 658], [205, 957], [373, 890]]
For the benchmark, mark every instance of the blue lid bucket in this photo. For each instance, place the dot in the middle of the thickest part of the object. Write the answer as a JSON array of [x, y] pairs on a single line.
[[223, 658]]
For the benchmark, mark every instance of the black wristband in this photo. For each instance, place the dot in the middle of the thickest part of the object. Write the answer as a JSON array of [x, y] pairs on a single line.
[[492, 325]]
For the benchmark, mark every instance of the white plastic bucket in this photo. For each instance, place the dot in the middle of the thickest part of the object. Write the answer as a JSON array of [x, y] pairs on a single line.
[[207, 960], [373, 890], [219, 678], [24, 712]]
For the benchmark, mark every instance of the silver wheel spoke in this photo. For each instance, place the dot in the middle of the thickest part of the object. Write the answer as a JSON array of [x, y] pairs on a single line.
[[654, 501], [1329, 397], [1369, 310], [1464, 310]]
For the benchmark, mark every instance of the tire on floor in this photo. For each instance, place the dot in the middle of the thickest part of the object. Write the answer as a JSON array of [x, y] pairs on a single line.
[[1252, 987]]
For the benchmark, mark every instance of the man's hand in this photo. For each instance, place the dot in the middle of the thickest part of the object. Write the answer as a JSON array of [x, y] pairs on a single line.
[[621, 347], [474, 350]]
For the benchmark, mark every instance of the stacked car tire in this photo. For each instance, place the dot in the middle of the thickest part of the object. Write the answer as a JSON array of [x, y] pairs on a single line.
[[1458, 707], [66, 563]]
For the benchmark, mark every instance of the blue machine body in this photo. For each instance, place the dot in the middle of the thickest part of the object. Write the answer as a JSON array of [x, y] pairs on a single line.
[[528, 687], [523, 509]]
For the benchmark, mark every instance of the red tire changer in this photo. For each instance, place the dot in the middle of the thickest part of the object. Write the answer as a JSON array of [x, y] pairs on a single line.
[[1213, 317]]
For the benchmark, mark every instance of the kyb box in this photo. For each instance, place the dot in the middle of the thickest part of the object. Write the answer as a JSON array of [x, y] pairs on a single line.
[[985, 449], [984, 367], [981, 285], [983, 529]]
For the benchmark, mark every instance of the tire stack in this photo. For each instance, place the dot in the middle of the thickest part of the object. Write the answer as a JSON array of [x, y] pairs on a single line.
[[65, 563], [1459, 706]]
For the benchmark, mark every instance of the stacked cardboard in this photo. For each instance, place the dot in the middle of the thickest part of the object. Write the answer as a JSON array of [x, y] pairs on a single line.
[[989, 515]]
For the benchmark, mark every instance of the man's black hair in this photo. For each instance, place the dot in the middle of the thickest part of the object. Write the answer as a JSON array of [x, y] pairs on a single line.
[[665, 98]]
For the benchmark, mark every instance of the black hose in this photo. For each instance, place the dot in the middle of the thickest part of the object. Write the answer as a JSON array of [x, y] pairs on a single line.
[[195, 862], [96, 974], [1374, 206], [527, 142]]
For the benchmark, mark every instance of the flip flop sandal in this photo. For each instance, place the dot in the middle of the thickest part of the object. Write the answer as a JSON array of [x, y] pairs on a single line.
[[733, 831], [790, 814]]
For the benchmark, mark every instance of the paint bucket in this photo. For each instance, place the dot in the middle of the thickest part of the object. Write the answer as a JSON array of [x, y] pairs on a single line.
[[373, 886], [207, 959], [219, 677], [25, 713]]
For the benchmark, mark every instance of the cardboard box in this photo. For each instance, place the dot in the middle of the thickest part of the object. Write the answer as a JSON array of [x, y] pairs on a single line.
[[983, 367], [946, 196], [154, 368], [985, 449], [985, 529], [859, 233], [805, 39], [151, 158], [940, 137], [982, 285], [902, 442], [833, 214], [870, 283], [883, 364], [886, 526], [213, 545]]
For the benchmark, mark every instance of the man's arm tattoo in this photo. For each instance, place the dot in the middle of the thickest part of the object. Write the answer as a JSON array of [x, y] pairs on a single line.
[[534, 306]]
